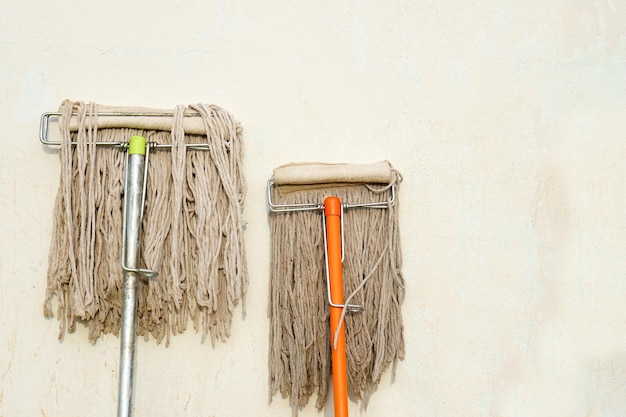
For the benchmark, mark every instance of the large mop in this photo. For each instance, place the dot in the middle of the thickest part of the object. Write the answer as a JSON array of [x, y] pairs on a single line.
[[353, 248], [146, 187]]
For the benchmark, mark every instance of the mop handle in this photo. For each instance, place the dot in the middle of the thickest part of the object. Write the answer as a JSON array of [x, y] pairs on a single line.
[[333, 213], [133, 190]]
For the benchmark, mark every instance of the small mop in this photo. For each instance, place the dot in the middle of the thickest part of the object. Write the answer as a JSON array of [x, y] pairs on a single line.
[[360, 226]]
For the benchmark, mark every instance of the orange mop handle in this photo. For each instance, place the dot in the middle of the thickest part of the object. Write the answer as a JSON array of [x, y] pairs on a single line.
[[332, 211]]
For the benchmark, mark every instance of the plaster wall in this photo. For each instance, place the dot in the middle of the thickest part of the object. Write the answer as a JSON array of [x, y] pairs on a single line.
[[506, 119]]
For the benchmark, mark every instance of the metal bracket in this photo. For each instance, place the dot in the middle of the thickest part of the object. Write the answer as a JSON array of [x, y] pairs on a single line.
[[281, 208], [147, 274], [44, 127], [352, 308]]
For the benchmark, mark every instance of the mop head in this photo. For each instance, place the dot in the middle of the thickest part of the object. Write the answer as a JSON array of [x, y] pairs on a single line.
[[300, 339], [192, 228]]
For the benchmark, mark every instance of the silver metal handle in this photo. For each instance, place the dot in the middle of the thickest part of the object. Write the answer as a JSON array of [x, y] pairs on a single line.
[[134, 196]]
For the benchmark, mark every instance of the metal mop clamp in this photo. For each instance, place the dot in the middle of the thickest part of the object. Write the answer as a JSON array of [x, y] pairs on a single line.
[[334, 250]]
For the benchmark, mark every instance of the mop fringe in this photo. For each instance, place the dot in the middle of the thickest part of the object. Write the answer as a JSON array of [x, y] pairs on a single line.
[[300, 339], [192, 229]]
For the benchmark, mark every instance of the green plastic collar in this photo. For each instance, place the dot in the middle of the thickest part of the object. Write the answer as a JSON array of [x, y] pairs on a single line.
[[137, 145]]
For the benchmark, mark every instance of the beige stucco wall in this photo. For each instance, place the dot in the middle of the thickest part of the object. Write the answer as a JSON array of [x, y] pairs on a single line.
[[506, 118]]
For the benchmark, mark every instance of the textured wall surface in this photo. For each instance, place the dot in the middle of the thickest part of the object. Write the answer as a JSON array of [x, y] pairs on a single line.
[[505, 117]]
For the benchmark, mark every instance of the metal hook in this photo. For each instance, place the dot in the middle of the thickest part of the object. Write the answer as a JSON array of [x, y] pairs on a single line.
[[147, 274], [352, 308]]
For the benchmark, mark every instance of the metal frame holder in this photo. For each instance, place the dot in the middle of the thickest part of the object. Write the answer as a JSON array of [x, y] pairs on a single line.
[[44, 127], [280, 208]]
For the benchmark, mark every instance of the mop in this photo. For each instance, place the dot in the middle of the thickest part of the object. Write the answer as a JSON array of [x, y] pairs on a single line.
[[351, 249], [191, 229]]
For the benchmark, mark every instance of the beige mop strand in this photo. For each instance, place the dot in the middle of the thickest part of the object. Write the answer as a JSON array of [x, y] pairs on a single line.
[[300, 337], [192, 227]]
